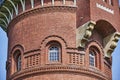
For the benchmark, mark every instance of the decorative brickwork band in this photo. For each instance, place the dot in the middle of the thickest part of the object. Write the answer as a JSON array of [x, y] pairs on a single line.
[[59, 68]]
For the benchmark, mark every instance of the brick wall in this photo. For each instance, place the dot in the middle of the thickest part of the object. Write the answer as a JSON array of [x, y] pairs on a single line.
[[31, 31]]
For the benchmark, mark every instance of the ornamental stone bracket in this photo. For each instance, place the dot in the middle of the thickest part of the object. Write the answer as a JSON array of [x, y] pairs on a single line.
[[84, 32], [110, 43]]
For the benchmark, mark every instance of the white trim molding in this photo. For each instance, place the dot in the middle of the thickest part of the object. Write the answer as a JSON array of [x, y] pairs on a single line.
[[5, 17], [15, 8], [104, 8]]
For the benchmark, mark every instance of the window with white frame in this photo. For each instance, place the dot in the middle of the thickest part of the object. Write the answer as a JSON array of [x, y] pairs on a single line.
[[91, 58], [54, 53]]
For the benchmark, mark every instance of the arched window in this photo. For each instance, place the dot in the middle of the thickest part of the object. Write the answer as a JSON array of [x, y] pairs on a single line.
[[17, 60], [54, 53], [91, 58], [95, 55], [18, 63]]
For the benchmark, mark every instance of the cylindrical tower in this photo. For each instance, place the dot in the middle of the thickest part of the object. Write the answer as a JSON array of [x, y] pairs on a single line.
[[60, 39]]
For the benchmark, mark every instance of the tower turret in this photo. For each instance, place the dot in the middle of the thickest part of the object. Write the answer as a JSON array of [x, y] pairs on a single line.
[[60, 39]]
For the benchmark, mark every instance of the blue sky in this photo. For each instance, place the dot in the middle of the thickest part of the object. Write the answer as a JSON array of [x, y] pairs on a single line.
[[3, 54], [116, 63]]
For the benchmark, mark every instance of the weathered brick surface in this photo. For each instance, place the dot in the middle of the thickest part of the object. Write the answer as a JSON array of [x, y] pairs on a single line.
[[99, 14], [32, 30], [62, 76]]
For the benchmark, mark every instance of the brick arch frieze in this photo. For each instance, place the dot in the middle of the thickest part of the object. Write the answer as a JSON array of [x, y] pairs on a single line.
[[16, 47], [53, 38], [96, 44]]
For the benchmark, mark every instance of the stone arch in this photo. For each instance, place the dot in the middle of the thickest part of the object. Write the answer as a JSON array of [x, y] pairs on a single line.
[[104, 28], [108, 36]]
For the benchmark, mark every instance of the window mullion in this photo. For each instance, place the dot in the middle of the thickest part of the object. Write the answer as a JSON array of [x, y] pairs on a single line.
[[54, 54]]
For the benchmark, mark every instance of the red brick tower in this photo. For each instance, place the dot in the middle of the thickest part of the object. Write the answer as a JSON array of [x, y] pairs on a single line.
[[60, 39]]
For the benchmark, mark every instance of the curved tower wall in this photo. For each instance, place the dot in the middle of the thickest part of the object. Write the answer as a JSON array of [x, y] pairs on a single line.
[[60, 39]]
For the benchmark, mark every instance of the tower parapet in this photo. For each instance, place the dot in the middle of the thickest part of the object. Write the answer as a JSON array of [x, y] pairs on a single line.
[[12, 8]]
